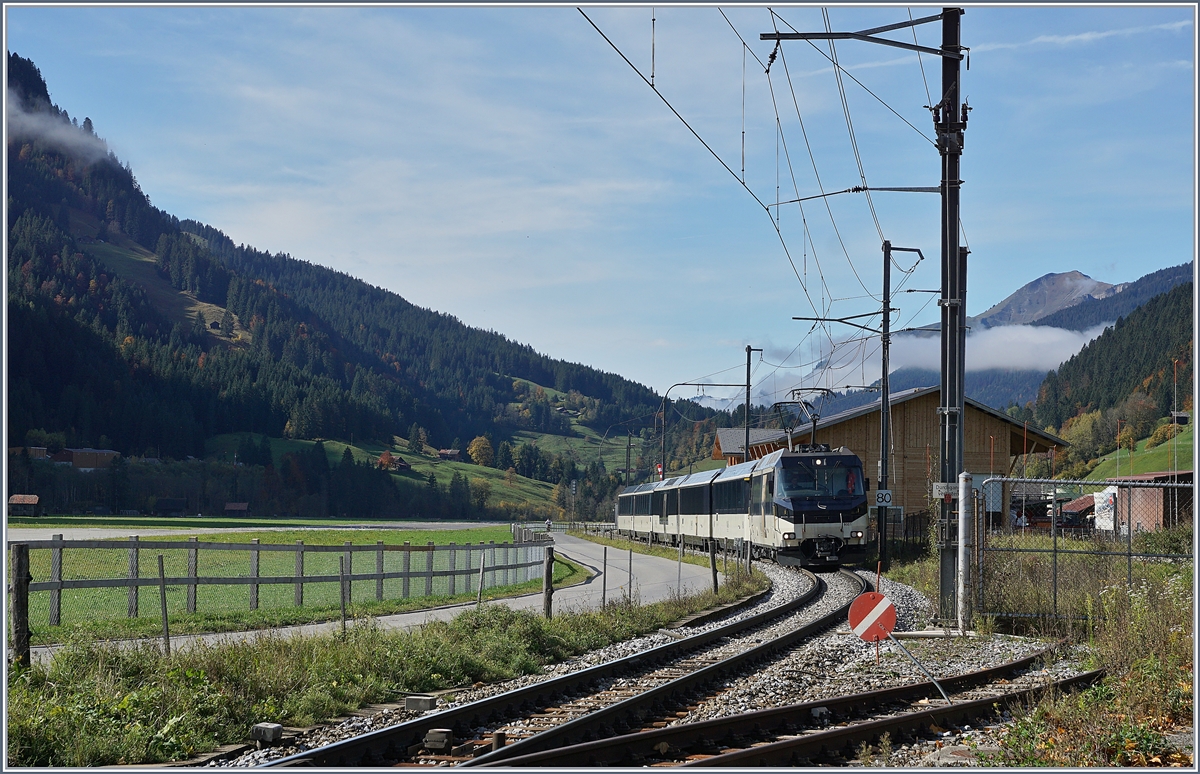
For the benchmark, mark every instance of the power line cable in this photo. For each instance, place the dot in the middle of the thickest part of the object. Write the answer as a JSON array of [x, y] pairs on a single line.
[[766, 209], [862, 85], [837, 72]]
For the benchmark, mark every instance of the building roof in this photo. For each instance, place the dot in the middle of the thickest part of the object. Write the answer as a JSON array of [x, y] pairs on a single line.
[[23, 499], [1164, 476], [735, 437], [732, 440], [237, 506], [1080, 504]]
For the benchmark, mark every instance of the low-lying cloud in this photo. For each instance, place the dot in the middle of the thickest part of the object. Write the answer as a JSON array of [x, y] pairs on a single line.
[[52, 130], [1013, 347]]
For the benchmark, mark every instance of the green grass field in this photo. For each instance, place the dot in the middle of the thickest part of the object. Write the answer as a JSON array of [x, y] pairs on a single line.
[[136, 265], [1160, 458], [521, 490], [104, 611]]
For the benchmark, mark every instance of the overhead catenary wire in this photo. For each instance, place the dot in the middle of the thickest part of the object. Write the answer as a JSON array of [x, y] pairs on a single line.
[[816, 175], [838, 350], [837, 73], [715, 155]]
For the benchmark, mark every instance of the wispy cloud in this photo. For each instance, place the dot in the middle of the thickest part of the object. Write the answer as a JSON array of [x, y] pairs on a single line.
[[53, 130], [1085, 37], [1015, 347]]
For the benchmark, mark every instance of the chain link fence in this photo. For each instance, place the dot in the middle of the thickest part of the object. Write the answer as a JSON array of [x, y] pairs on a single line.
[[1048, 548]]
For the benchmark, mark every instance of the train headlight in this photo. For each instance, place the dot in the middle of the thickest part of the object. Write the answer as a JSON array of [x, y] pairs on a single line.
[[789, 536], [856, 534]]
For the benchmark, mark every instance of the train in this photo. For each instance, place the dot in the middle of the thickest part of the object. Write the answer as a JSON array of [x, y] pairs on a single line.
[[804, 507]]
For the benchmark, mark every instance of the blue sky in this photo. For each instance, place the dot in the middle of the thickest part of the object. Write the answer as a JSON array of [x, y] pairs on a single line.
[[506, 166]]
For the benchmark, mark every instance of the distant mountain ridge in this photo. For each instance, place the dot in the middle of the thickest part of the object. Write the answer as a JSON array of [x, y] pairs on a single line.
[[1090, 312], [1044, 296]]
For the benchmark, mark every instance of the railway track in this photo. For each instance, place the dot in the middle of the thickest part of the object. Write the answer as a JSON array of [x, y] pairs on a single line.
[[600, 701], [821, 732]]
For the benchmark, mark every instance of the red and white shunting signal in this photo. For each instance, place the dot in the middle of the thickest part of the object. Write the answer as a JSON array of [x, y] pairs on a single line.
[[872, 616]]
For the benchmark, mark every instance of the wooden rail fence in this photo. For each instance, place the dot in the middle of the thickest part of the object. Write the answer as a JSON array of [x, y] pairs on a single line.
[[462, 566]]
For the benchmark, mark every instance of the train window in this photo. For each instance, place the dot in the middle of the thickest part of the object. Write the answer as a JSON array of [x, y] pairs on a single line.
[[831, 479], [731, 496], [693, 500]]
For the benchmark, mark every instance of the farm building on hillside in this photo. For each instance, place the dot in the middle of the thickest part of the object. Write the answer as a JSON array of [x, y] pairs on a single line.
[[86, 459], [992, 444], [237, 509], [23, 505]]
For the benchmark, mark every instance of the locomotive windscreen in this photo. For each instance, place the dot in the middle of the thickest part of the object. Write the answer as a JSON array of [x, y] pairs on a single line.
[[821, 477]]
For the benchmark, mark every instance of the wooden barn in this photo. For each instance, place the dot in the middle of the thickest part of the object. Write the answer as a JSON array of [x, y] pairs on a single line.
[[992, 443]]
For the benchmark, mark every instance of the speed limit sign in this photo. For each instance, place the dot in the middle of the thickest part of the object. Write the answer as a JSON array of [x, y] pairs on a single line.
[[883, 497]]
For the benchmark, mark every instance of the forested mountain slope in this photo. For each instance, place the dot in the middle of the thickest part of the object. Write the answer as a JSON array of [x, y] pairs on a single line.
[[1136, 355], [96, 354]]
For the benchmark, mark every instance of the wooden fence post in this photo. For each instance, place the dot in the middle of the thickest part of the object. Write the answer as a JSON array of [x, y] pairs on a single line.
[[56, 556], [342, 590], [406, 568], [349, 557], [162, 601], [299, 588], [133, 577], [254, 574], [453, 567], [482, 562], [604, 579], [495, 577], [193, 570], [548, 583], [379, 571], [20, 603], [712, 562], [429, 570]]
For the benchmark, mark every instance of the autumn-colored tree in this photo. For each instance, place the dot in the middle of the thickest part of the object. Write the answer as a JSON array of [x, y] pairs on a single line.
[[481, 490], [1127, 440], [480, 451], [385, 460]]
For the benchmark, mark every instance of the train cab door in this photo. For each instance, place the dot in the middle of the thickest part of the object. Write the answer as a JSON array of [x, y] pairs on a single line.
[[760, 502]]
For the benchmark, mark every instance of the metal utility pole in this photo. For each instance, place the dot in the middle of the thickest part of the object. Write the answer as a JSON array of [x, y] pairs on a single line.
[[746, 448], [662, 409], [885, 404], [950, 121]]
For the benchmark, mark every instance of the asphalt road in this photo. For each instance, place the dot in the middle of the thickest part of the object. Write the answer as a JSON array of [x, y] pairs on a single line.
[[653, 579]]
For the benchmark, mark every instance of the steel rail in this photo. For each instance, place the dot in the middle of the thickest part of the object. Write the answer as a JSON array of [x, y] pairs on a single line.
[[789, 752], [633, 749], [392, 743], [626, 715]]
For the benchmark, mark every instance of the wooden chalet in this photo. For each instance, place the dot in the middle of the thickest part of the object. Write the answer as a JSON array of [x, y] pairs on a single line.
[[237, 509], [992, 443], [24, 505]]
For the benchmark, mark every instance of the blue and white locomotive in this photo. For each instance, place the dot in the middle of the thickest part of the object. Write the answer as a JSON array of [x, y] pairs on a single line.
[[806, 507]]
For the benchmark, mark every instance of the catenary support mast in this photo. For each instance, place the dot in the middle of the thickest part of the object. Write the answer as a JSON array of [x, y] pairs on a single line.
[[950, 122]]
